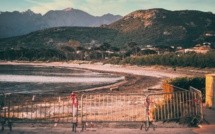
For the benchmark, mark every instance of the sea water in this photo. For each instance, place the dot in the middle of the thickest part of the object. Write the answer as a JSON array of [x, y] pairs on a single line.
[[53, 79]]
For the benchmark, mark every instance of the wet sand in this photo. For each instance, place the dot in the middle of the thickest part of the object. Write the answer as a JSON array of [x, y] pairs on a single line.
[[137, 79]]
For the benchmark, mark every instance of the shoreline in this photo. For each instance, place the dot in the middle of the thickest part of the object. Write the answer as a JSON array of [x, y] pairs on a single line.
[[137, 79]]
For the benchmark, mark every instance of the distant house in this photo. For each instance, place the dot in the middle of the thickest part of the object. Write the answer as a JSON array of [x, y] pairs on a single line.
[[109, 52], [188, 50], [78, 51], [199, 49], [179, 47], [209, 34], [180, 51], [149, 46], [207, 43]]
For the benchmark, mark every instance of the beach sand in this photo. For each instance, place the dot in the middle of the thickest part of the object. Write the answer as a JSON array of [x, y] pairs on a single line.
[[137, 78]]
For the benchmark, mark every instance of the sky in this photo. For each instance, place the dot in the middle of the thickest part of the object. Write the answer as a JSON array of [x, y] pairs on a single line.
[[101, 7]]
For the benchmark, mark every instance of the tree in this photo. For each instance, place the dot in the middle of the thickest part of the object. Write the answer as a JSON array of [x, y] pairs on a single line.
[[104, 47], [68, 50], [148, 51], [133, 46], [94, 52], [114, 49]]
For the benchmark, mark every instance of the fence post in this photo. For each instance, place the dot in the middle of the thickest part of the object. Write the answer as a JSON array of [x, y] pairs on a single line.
[[2, 123], [74, 111], [82, 123], [10, 122], [200, 99], [3, 111], [148, 122]]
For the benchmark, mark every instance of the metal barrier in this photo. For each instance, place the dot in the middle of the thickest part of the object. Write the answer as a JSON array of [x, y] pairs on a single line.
[[175, 106], [192, 89], [4, 112], [112, 108], [140, 108], [38, 108], [121, 108]]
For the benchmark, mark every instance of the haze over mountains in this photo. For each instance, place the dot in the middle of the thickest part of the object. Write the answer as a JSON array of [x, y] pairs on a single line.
[[154, 26], [20, 23]]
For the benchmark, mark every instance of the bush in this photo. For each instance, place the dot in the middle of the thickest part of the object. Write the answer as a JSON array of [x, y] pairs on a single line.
[[113, 60], [186, 82], [174, 60]]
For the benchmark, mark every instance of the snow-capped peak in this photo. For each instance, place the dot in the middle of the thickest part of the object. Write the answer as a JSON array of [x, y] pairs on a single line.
[[68, 9]]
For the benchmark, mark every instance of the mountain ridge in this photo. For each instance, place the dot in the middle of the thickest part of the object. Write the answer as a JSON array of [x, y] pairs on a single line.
[[161, 27], [19, 23], [155, 27]]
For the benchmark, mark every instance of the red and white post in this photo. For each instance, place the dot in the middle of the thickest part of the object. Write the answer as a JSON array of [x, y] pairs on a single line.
[[74, 110]]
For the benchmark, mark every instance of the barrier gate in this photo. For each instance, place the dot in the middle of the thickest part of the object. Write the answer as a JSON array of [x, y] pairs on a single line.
[[170, 106], [112, 108], [141, 108], [37, 108], [121, 108]]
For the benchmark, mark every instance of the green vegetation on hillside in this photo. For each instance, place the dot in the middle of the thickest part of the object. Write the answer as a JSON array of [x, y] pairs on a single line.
[[163, 27], [157, 27], [174, 60], [124, 41], [113, 55], [54, 37]]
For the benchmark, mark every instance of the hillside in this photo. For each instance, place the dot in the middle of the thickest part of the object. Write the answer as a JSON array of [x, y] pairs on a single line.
[[154, 27], [163, 27], [54, 37]]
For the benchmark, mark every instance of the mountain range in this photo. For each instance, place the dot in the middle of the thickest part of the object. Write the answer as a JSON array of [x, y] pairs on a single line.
[[145, 27], [20, 23], [164, 27]]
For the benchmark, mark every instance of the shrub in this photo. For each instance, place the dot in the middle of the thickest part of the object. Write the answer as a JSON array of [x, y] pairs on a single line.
[[113, 60], [186, 82]]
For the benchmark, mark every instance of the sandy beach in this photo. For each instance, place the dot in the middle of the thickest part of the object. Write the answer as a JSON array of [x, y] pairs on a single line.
[[137, 78]]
